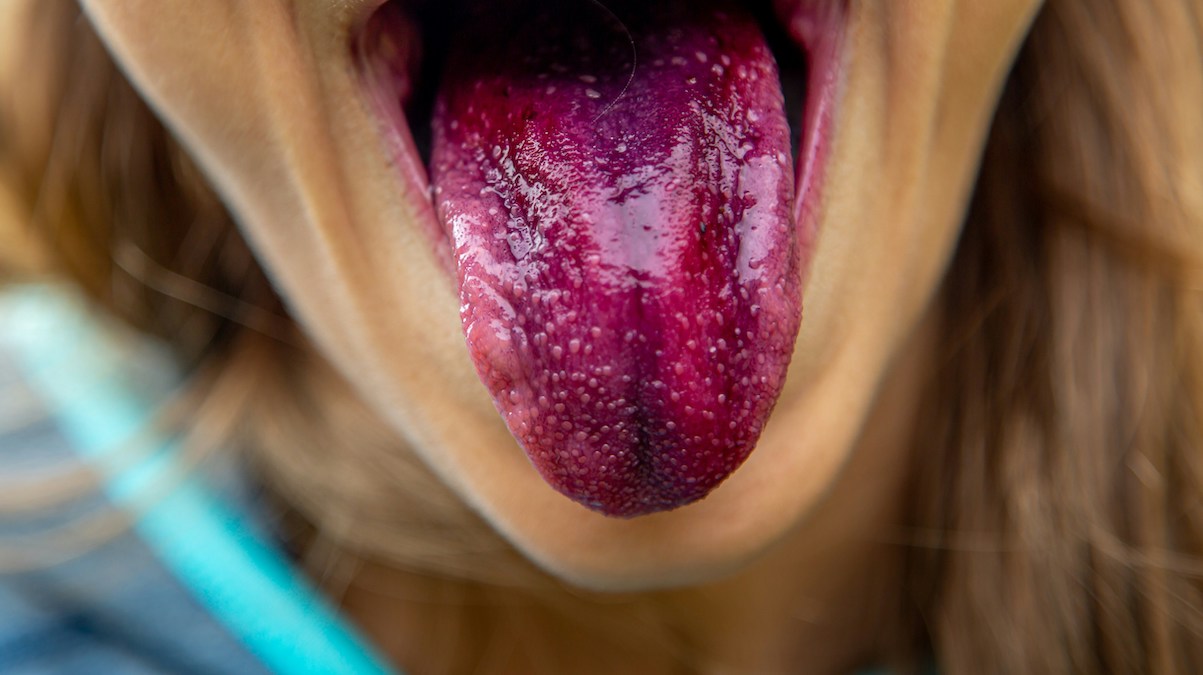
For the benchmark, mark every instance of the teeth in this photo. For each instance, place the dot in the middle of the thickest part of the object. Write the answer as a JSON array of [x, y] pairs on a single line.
[[618, 196]]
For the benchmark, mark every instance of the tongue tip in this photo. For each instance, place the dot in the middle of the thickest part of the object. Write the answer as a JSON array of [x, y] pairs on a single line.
[[625, 474], [625, 434], [659, 454], [639, 492]]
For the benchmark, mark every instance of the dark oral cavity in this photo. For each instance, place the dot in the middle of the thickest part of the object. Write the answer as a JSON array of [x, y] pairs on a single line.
[[619, 197]]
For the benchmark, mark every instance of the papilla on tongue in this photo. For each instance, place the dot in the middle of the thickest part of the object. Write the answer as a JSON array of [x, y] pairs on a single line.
[[618, 195]]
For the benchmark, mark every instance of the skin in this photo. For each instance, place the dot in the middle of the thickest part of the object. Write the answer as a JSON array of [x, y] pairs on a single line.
[[267, 97]]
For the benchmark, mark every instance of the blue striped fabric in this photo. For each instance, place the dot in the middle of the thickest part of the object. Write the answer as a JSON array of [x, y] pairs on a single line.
[[196, 585]]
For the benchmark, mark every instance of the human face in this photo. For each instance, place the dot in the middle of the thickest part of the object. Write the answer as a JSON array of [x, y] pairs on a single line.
[[282, 108]]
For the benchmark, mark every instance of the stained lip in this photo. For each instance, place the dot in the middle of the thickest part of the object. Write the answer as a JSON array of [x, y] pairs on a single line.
[[818, 29], [394, 53]]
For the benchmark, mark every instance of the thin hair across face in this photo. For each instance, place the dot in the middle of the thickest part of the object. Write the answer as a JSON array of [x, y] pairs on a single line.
[[1057, 487]]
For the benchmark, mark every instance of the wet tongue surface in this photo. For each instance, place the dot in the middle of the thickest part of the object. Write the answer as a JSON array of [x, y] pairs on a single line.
[[619, 204]]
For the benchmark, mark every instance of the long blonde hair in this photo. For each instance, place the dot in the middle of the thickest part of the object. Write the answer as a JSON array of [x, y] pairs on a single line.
[[1058, 478], [1060, 496]]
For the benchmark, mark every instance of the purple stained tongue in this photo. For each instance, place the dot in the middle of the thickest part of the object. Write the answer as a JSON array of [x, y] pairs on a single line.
[[627, 261]]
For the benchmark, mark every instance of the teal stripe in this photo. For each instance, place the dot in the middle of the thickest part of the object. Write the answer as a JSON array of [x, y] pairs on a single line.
[[80, 370]]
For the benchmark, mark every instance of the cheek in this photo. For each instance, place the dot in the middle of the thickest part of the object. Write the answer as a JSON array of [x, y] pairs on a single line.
[[921, 90]]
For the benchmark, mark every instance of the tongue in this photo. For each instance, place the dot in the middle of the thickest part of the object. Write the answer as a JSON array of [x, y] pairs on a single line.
[[618, 195]]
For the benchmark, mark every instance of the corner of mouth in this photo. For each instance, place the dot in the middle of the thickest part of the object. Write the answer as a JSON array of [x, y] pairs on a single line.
[[630, 298]]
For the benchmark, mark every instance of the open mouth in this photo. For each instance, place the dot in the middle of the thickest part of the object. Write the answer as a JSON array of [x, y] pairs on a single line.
[[614, 187]]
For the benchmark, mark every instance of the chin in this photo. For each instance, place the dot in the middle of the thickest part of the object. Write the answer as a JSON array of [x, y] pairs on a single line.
[[631, 278]]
